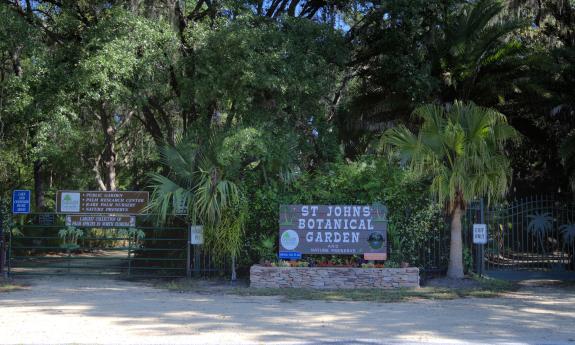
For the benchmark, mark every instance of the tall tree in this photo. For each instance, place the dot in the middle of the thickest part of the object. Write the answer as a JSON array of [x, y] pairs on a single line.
[[462, 148], [406, 53]]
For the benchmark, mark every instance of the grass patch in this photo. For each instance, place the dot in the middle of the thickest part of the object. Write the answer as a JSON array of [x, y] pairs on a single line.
[[367, 295], [488, 287], [7, 286], [485, 288]]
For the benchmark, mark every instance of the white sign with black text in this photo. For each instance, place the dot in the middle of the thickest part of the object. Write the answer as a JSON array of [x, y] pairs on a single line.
[[197, 234], [480, 233]]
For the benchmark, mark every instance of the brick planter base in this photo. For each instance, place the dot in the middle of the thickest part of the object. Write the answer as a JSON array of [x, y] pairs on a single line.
[[333, 277]]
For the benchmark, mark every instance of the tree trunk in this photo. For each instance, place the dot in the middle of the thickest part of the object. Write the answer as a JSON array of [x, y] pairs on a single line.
[[152, 126], [109, 152], [455, 268], [38, 186], [16, 61]]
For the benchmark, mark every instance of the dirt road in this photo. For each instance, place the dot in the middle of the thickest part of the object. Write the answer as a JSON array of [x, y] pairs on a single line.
[[102, 311]]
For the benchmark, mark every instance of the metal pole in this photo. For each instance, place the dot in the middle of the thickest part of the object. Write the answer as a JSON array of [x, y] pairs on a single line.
[[198, 260], [481, 246], [129, 255], [189, 254], [9, 255], [2, 249]]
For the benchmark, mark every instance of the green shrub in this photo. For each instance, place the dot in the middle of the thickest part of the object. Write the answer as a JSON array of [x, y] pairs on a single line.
[[414, 219]]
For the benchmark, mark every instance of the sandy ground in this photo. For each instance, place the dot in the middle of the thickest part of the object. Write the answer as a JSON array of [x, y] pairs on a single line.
[[105, 311]]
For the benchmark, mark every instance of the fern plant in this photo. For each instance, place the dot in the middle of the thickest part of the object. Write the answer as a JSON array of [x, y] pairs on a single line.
[[266, 249]]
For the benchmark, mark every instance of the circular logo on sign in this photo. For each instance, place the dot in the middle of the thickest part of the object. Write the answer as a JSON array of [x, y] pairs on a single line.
[[375, 240], [289, 239]]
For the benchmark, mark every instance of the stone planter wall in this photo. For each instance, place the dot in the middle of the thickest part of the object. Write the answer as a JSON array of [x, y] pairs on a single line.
[[333, 277]]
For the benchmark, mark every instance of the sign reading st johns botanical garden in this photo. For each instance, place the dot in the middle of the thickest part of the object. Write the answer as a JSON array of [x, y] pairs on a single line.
[[334, 229]]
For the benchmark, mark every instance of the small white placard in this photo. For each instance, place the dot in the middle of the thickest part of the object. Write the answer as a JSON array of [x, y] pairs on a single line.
[[480, 233], [197, 234]]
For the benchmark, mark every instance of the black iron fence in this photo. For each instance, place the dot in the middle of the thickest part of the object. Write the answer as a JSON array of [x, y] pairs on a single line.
[[534, 233]]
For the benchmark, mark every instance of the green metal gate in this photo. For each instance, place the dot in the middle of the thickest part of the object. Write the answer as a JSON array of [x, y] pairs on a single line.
[[535, 233], [41, 244]]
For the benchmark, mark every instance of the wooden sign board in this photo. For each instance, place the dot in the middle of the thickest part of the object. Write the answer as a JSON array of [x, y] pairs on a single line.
[[101, 202], [334, 229], [101, 221]]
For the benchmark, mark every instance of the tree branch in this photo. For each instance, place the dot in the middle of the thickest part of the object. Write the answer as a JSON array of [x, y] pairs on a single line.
[[96, 169]]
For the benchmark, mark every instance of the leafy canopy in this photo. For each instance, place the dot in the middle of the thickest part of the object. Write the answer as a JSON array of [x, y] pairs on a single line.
[[461, 147]]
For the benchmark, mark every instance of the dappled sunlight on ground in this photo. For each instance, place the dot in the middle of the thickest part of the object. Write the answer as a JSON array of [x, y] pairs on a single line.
[[109, 311]]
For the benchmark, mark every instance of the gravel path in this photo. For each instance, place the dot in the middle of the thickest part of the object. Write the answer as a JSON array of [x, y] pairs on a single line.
[[105, 311]]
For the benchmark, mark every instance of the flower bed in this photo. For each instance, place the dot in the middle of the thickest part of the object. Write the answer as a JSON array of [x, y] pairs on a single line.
[[333, 277]]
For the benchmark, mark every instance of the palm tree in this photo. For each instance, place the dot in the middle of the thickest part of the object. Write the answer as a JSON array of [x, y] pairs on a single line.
[[199, 180], [539, 224], [462, 148], [476, 49], [568, 232]]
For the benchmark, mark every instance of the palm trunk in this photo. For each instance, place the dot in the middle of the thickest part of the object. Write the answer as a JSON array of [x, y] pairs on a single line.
[[455, 268]]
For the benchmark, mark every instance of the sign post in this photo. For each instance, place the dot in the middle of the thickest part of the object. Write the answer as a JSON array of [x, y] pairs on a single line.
[[480, 239], [188, 254], [196, 239], [2, 250], [21, 201]]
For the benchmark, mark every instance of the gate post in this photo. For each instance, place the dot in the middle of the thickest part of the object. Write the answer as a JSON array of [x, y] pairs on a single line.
[[188, 248], [2, 249], [481, 246]]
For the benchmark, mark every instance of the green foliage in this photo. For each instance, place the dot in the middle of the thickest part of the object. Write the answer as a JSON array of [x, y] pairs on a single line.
[[133, 234], [259, 69], [225, 238], [266, 249], [70, 236], [467, 260], [475, 41], [275, 104], [461, 147], [281, 263], [414, 218], [198, 179]]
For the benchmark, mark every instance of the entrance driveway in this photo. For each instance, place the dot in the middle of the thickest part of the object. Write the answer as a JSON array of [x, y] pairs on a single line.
[[104, 311]]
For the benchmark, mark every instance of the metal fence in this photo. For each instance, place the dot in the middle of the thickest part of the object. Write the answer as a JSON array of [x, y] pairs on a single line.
[[38, 245], [434, 253], [533, 233]]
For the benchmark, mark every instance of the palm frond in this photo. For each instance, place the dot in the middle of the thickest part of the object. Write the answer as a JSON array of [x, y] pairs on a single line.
[[461, 147]]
